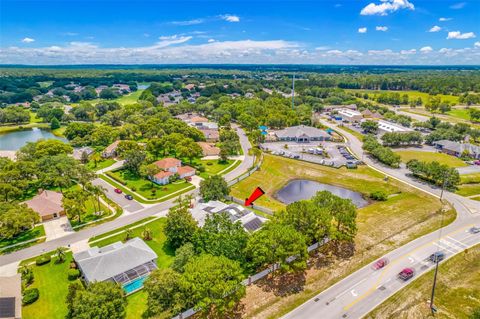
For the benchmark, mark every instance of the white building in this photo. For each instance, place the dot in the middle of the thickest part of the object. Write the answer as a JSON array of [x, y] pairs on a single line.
[[350, 115], [389, 127]]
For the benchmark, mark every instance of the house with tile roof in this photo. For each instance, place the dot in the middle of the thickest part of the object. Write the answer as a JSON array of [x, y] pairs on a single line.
[[47, 204], [111, 150], [170, 166]]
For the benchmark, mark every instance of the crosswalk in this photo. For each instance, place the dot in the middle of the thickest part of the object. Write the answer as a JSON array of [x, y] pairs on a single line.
[[450, 245]]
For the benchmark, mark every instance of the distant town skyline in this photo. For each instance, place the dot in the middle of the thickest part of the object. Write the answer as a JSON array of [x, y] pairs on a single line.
[[403, 32]]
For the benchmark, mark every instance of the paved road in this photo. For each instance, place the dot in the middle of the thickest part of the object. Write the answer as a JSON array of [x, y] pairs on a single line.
[[123, 220], [356, 295], [130, 206]]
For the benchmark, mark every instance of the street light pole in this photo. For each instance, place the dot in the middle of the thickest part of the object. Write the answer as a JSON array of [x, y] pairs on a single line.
[[432, 307]]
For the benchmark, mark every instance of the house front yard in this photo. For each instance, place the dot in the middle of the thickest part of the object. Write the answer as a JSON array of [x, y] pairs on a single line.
[[214, 167], [100, 164], [36, 232], [144, 187]]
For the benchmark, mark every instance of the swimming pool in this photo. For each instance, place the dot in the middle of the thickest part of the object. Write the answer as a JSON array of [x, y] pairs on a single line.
[[134, 285]]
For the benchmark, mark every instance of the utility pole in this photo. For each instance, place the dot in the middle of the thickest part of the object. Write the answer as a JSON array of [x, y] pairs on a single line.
[[432, 307], [293, 91]]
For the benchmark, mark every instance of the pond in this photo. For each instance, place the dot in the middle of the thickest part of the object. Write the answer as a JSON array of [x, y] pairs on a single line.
[[14, 140], [304, 189]]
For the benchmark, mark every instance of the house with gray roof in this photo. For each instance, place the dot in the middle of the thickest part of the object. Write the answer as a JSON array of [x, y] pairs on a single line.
[[236, 213], [302, 134], [126, 263], [458, 149]]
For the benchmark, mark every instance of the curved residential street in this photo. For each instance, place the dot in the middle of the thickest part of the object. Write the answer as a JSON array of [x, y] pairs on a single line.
[[136, 211], [358, 294]]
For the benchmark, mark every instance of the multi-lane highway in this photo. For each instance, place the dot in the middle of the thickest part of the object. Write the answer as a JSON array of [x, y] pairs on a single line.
[[358, 294]]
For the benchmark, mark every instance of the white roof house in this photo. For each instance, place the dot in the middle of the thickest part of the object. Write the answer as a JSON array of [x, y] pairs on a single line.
[[389, 127], [302, 133], [249, 220], [118, 262], [350, 115]]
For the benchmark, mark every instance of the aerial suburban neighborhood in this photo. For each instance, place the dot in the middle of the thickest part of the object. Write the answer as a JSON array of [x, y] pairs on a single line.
[[220, 159]]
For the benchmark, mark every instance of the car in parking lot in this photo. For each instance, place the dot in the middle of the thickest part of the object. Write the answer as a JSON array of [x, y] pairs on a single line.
[[406, 274], [475, 230], [129, 197], [382, 262], [118, 190], [437, 256]]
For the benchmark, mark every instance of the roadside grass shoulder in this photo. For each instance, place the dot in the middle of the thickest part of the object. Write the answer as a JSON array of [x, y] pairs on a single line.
[[121, 229], [442, 158], [456, 296], [100, 165], [35, 232]]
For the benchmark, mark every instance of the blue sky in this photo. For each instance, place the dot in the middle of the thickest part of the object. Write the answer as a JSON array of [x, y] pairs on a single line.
[[318, 32]]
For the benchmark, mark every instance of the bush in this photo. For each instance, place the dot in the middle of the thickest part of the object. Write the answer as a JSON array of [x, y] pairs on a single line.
[[201, 168], [133, 188], [28, 278], [209, 163], [73, 274], [379, 195], [30, 296], [42, 260]]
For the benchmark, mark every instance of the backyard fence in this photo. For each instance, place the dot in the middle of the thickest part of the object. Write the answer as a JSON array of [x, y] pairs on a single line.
[[242, 202], [252, 279]]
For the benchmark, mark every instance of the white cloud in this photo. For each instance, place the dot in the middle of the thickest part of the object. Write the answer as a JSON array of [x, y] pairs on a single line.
[[477, 44], [426, 49], [211, 40], [386, 6], [460, 36], [230, 18], [435, 28], [27, 40], [444, 19], [362, 30], [188, 22], [457, 6], [381, 28], [408, 52]]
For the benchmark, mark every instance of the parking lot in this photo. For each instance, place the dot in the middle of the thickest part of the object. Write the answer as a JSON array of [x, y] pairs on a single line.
[[324, 153]]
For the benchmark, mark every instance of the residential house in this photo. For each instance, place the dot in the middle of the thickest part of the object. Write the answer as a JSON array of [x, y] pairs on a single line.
[[47, 204], [78, 151], [126, 263], [100, 88], [389, 127], [211, 136], [170, 166], [11, 297], [458, 149], [302, 134], [209, 149], [190, 86], [111, 150], [236, 213]]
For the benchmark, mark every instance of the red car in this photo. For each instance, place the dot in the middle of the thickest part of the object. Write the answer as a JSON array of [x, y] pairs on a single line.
[[118, 191], [406, 274], [380, 263]]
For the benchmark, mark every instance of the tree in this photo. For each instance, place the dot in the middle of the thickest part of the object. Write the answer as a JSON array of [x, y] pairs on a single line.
[[189, 149], [214, 188], [74, 202], [180, 226], [60, 253], [15, 219], [54, 124], [369, 126], [125, 147], [474, 114], [101, 300], [164, 293], [149, 171], [183, 256], [84, 157], [221, 237], [275, 243], [147, 233], [213, 284], [133, 160]]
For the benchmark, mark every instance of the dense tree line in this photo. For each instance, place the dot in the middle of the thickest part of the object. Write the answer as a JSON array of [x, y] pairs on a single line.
[[14, 115], [405, 138], [434, 172], [382, 153]]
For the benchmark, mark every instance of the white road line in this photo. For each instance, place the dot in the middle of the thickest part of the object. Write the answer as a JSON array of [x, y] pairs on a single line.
[[358, 283], [444, 248], [450, 244], [456, 241]]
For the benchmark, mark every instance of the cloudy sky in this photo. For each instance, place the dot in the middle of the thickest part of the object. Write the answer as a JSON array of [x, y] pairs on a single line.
[[317, 32]]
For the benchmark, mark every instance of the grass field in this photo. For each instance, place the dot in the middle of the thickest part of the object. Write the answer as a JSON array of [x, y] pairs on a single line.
[[216, 167], [52, 283], [469, 185], [411, 94], [129, 98], [442, 158], [382, 226], [457, 292], [100, 165]]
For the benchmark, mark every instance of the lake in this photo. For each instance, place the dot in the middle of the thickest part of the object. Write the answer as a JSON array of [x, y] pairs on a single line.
[[14, 140], [301, 189]]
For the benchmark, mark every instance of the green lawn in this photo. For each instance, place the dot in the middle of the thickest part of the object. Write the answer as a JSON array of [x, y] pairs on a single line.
[[468, 189], [97, 238], [456, 296], [411, 94], [470, 178], [36, 232], [34, 118], [442, 158], [158, 243], [52, 283], [100, 165], [353, 132], [462, 113], [137, 304], [129, 98], [144, 187], [213, 167]]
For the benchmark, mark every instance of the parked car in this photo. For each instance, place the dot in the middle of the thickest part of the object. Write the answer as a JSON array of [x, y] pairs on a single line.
[[382, 262], [437, 256], [406, 274], [188, 178], [118, 191], [475, 230], [477, 162], [129, 197]]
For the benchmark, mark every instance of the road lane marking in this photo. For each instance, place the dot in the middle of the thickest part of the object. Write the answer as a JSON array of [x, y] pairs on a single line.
[[345, 291], [456, 241], [452, 245], [353, 293], [411, 259], [444, 248]]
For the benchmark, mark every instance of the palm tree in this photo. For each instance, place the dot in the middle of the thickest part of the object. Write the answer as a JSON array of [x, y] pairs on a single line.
[[128, 234], [147, 234], [96, 158], [60, 253]]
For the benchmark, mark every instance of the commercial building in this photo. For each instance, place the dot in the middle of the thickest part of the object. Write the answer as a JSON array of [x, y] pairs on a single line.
[[389, 127], [458, 149], [350, 115], [302, 134]]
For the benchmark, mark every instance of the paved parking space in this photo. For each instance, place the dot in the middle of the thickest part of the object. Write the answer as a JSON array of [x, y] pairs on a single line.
[[311, 152], [57, 228], [128, 205]]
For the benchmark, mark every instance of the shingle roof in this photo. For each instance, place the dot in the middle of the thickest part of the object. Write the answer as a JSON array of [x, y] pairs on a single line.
[[459, 147], [110, 148], [99, 264], [185, 169], [168, 162], [46, 203], [301, 130]]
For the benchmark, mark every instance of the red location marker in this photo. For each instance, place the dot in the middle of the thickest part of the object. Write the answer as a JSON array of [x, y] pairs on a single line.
[[255, 195]]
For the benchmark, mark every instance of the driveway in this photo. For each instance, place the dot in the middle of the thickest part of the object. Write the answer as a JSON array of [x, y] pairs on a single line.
[[130, 206], [57, 228], [472, 169]]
